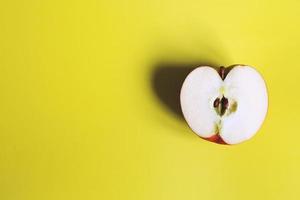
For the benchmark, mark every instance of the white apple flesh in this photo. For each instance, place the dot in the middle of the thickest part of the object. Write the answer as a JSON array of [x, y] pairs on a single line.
[[226, 110]]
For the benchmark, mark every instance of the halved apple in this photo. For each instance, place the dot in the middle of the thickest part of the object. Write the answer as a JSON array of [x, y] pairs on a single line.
[[226, 106]]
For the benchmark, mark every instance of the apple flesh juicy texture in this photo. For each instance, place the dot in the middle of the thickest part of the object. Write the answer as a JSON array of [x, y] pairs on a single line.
[[227, 106]]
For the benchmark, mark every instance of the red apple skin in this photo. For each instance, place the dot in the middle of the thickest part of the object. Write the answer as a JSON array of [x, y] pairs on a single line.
[[216, 139]]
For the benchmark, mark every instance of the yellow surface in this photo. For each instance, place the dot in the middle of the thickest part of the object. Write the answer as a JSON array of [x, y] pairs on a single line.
[[79, 118]]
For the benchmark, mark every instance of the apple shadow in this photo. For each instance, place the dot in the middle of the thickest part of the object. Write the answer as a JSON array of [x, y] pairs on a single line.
[[167, 79]]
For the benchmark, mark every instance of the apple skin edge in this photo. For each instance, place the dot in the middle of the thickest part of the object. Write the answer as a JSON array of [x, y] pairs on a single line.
[[216, 139]]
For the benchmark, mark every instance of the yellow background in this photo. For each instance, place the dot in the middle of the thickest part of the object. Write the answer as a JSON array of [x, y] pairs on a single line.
[[79, 118]]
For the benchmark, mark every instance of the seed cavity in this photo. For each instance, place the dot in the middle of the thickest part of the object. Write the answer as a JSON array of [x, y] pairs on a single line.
[[223, 106], [233, 107]]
